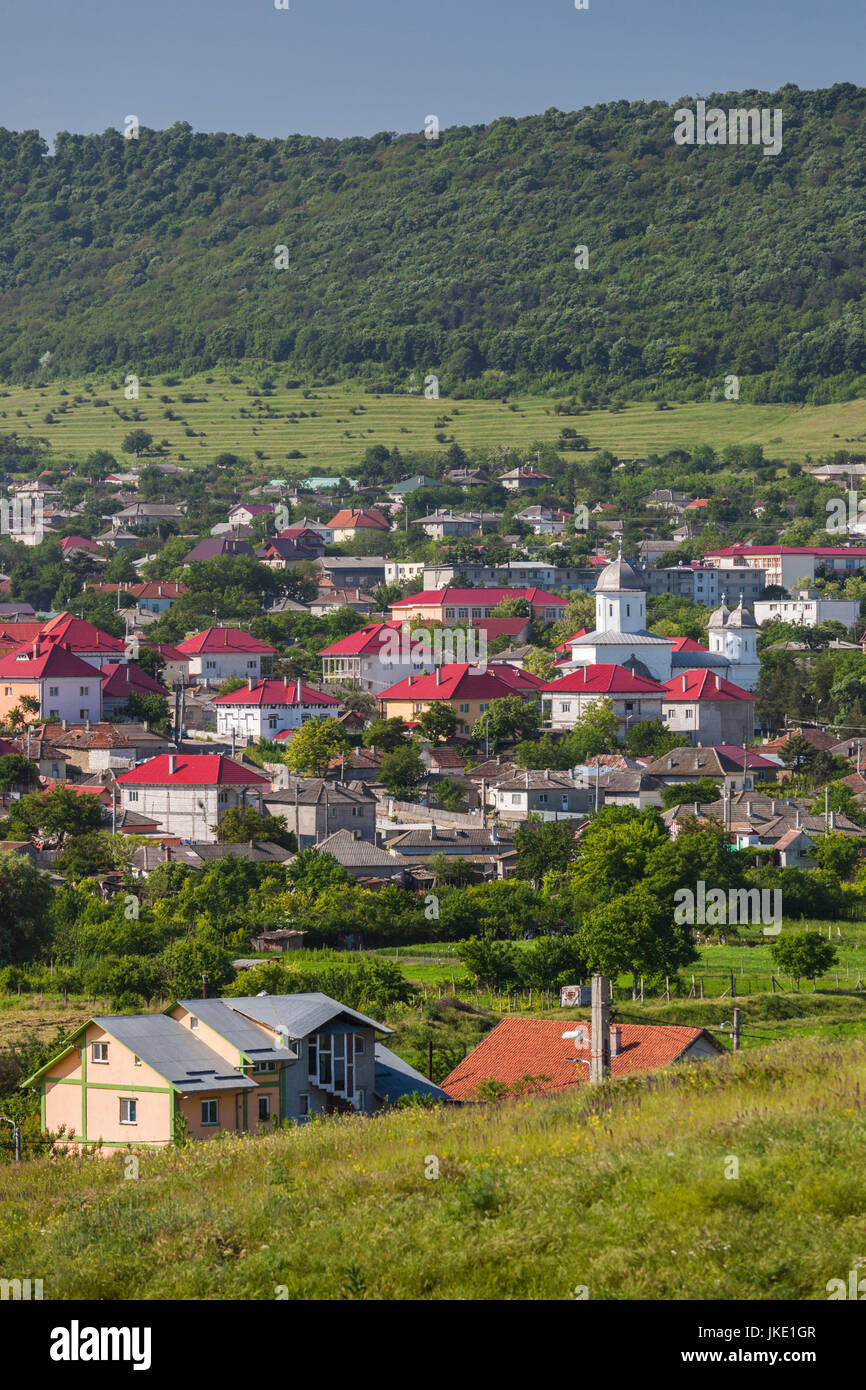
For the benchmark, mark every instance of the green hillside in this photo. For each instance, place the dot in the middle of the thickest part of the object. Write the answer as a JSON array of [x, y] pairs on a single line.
[[332, 426], [624, 1193], [455, 256]]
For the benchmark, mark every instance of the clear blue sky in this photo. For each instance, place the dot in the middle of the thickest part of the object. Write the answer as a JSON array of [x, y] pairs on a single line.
[[344, 67]]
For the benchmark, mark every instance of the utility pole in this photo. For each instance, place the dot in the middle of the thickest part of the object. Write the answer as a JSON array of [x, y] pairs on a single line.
[[735, 1030], [429, 1059], [205, 981], [599, 1067]]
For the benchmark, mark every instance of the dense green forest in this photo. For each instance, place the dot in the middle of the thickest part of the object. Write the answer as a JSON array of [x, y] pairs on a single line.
[[453, 256]]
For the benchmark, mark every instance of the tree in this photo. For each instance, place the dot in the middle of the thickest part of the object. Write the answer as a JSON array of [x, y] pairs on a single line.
[[492, 963], [507, 718], [137, 442], [635, 932], [16, 771], [315, 870], [438, 721], [449, 794], [187, 961], [386, 734], [702, 790], [552, 961], [596, 730], [650, 739], [542, 848], [512, 608], [540, 663], [88, 856], [838, 853], [241, 825], [802, 954], [150, 709], [25, 895], [402, 771], [56, 813], [797, 752], [313, 747]]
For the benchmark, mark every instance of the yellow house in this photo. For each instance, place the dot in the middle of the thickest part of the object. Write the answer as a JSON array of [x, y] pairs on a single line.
[[469, 691]]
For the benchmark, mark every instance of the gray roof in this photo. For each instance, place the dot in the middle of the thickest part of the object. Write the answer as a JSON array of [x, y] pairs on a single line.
[[247, 1037], [395, 1078], [301, 1014], [618, 578], [698, 660], [450, 837], [175, 1053], [355, 853], [619, 639], [311, 792]]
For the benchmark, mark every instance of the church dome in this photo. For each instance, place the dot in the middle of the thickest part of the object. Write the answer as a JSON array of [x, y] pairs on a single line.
[[742, 617], [618, 577], [720, 617]]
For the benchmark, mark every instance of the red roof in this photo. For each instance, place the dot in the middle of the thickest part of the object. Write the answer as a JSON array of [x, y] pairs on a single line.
[[78, 543], [478, 597], [573, 638], [122, 678], [686, 644], [79, 635], [191, 770], [166, 651], [704, 685], [605, 679], [519, 1047], [276, 693], [367, 641], [500, 627], [521, 680], [223, 639], [368, 517], [41, 660], [740, 755], [457, 681]]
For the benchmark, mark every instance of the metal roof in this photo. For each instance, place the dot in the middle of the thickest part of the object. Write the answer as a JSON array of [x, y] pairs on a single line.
[[247, 1037], [301, 1014], [174, 1052], [395, 1078]]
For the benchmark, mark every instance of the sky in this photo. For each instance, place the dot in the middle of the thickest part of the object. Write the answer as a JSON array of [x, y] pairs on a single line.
[[355, 67]]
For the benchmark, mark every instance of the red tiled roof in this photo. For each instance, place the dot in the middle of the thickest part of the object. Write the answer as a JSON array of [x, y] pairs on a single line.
[[563, 646], [817, 737], [122, 678], [78, 543], [223, 639], [739, 756], [79, 635], [367, 641], [520, 679], [166, 651], [460, 680], [519, 1047], [478, 597], [191, 770], [605, 678], [368, 517], [40, 660], [499, 627], [703, 685], [276, 693], [686, 644]]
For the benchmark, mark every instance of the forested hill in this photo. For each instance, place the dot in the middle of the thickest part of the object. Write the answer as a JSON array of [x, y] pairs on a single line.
[[453, 256]]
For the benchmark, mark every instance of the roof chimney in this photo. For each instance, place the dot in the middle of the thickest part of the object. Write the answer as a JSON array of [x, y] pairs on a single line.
[[749, 809], [438, 675], [298, 695], [249, 682], [832, 820], [615, 1040], [171, 764], [685, 683], [798, 819]]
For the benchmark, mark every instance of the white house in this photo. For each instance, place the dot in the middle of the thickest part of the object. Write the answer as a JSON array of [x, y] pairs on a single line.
[[65, 686], [267, 708], [808, 609], [187, 794], [634, 698], [221, 652]]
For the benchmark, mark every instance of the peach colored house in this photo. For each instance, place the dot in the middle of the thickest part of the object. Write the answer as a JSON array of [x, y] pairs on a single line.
[[206, 1066]]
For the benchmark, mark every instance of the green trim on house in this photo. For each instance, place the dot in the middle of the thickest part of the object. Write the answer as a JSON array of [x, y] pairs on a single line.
[[83, 1084], [131, 1143], [284, 1100], [107, 1085], [42, 1124]]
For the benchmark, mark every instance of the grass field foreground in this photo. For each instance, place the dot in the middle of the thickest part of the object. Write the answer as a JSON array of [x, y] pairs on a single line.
[[627, 1192]]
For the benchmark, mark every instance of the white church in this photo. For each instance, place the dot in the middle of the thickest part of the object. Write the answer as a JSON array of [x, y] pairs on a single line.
[[620, 637]]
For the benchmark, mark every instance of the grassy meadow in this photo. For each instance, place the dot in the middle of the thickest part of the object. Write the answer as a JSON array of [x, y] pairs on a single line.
[[739, 1178], [331, 426]]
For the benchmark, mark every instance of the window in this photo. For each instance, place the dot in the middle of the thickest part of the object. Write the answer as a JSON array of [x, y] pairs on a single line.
[[483, 708], [54, 714], [84, 690], [99, 1052], [132, 796], [223, 798], [211, 665], [357, 811], [84, 714], [464, 709], [360, 1045], [265, 1067], [8, 690], [264, 1107], [542, 798], [272, 721], [303, 1104], [128, 1112], [565, 707], [251, 665], [312, 1053], [54, 690], [362, 1098], [515, 798], [210, 1112], [193, 1022], [136, 1061]]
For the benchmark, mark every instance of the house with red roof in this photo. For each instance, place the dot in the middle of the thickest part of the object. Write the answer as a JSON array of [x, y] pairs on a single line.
[[708, 708], [635, 698], [467, 689], [374, 657], [173, 664], [556, 1054], [348, 522], [791, 566], [77, 545], [266, 708], [86, 640], [221, 652], [66, 686], [187, 794], [122, 679], [449, 606]]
